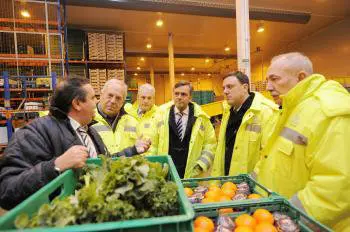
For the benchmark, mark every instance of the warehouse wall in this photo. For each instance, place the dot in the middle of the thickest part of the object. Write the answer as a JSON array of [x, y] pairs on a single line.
[[329, 50]]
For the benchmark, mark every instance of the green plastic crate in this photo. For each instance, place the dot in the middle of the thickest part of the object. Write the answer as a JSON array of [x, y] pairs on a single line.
[[306, 223], [268, 196], [67, 183]]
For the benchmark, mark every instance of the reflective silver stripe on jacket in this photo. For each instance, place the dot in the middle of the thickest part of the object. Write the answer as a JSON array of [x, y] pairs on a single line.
[[159, 124], [205, 156], [101, 128], [130, 128], [147, 125], [294, 136], [253, 127], [209, 154]]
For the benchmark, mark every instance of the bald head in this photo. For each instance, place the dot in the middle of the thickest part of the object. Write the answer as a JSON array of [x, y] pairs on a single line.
[[293, 63], [116, 83], [145, 97], [286, 71]]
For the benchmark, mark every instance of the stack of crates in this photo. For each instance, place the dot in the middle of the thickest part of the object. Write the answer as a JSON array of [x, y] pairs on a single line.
[[115, 50], [97, 46], [203, 97], [115, 74], [76, 44], [98, 78]]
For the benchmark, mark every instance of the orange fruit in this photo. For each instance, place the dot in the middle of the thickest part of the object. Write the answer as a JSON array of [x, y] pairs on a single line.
[[224, 198], [188, 191], [208, 200], [213, 187], [244, 229], [225, 210], [204, 222], [212, 194], [263, 216], [229, 185], [245, 220], [254, 196], [265, 227], [229, 192]]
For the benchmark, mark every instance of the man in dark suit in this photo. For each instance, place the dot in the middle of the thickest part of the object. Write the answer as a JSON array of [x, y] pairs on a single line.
[[185, 133]]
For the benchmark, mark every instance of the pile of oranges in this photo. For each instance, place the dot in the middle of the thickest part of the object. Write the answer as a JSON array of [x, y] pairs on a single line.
[[218, 194], [260, 221]]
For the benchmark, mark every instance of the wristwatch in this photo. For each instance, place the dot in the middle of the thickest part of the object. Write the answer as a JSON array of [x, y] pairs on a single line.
[[57, 169]]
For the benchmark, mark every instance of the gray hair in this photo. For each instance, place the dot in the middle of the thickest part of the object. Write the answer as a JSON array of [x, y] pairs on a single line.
[[295, 62], [146, 87], [116, 82]]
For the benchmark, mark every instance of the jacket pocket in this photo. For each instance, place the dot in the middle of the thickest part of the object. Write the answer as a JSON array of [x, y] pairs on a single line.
[[284, 162]]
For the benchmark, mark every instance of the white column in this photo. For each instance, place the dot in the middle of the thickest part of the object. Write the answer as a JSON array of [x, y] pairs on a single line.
[[243, 36]]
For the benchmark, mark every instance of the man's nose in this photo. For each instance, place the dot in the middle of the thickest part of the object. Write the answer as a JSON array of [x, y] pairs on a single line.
[[269, 86]]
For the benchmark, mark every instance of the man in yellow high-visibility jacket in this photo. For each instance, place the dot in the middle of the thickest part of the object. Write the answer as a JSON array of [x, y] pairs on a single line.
[[248, 120], [144, 111], [116, 127], [185, 133], [307, 157]]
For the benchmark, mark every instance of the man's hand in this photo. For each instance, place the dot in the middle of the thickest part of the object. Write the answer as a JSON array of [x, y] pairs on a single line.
[[142, 144], [74, 157]]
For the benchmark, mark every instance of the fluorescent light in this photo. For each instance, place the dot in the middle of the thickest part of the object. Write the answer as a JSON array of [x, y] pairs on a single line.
[[25, 14], [159, 23]]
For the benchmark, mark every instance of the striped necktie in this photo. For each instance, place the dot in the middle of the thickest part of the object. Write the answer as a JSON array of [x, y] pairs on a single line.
[[87, 141], [179, 125]]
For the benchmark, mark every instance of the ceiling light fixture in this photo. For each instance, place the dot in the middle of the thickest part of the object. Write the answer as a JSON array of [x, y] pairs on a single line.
[[261, 28], [209, 74], [135, 74], [138, 68], [25, 13], [142, 58], [159, 23], [193, 68], [182, 74], [149, 46], [227, 49], [207, 60]]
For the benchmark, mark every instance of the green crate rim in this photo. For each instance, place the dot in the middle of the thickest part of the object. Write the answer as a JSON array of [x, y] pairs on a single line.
[[187, 216]]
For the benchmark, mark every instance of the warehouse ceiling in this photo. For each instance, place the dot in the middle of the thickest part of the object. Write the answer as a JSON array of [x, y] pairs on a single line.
[[204, 35]]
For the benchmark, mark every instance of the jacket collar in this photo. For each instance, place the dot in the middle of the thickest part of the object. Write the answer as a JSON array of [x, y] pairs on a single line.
[[302, 90]]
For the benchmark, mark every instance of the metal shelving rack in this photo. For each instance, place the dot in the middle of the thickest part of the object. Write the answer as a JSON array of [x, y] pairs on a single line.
[[31, 53]]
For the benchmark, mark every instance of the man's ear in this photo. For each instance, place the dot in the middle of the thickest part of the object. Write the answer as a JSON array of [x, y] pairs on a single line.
[[76, 104], [301, 76]]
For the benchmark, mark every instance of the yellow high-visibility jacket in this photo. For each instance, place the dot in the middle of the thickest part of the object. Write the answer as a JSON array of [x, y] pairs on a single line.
[[253, 133], [202, 142], [146, 126], [124, 136], [307, 158]]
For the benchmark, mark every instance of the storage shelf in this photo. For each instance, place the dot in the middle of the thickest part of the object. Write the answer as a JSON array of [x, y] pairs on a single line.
[[95, 62], [28, 90], [31, 30], [21, 111], [28, 98], [132, 89], [27, 21]]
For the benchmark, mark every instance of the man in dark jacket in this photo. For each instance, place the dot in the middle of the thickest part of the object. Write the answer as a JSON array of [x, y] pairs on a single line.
[[43, 149]]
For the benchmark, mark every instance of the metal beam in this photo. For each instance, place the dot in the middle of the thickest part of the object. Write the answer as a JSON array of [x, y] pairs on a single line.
[[197, 8], [166, 72], [179, 55]]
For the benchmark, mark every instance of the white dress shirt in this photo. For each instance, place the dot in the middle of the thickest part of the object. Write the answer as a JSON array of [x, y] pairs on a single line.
[[76, 125]]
